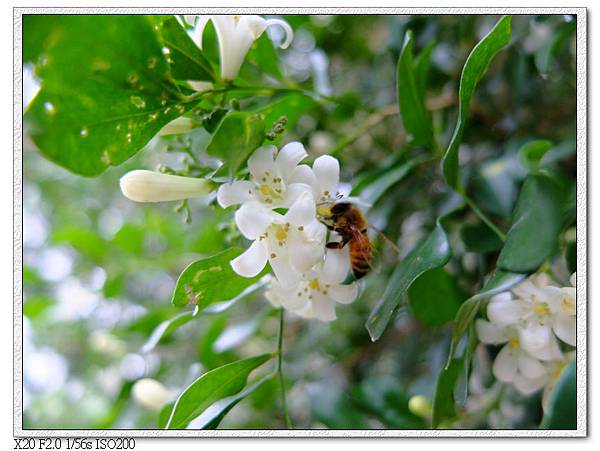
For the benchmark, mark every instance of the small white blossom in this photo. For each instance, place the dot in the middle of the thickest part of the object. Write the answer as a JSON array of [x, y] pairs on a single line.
[[148, 186], [292, 243], [270, 178], [323, 178], [151, 394], [513, 361], [321, 287], [236, 34]]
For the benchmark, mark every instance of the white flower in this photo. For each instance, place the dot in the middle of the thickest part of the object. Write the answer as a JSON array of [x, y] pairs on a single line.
[[315, 296], [270, 178], [292, 243], [236, 35], [177, 126], [513, 361], [323, 178], [151, 394], [539, 311], [149, 186]]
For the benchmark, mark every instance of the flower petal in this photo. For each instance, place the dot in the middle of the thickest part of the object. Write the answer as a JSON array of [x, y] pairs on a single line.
[[573, 279], [293, 192], [235, 193], [549, 352], [305, 252], [288, 158], [491, 333], [505, 365], [565, 328], [504, 312], [252, 261], [528, 386], [534, 336], [304, 174], [252, 219], [255, 25], [525, 289], [302, 212], [262, 162], [327, 171], [289, 33], [323, 306], [530, 367], [336, 266], [344, 294], [286, 275]]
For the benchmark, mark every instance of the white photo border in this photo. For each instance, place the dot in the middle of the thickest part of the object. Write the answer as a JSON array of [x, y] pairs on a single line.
[[582, 203]]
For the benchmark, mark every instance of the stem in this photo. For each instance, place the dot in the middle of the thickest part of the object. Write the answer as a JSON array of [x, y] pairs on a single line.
[[288, 420], [484, 218]]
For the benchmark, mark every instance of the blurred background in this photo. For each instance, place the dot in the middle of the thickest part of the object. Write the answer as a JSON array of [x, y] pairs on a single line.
[[99, 270]]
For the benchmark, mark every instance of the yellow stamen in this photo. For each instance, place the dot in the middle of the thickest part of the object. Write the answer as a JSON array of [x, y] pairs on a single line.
[[513, 342], [314, 284]]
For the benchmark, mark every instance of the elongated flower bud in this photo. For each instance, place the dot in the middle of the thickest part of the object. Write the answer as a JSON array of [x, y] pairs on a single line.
[[149, 186], [177, 127], [151, 394]]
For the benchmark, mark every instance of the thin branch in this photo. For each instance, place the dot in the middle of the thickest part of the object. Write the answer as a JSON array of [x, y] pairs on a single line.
[[288, 420]]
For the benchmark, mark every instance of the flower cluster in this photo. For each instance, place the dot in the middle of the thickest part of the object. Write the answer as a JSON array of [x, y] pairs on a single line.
[[530, 320], [308, 277]]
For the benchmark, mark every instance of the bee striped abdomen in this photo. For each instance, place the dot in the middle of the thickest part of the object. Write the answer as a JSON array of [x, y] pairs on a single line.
[[360, 254]]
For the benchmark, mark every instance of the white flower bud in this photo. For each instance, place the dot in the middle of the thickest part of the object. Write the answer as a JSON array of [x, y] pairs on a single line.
[[178, 126], [151, 394], [149, 186]]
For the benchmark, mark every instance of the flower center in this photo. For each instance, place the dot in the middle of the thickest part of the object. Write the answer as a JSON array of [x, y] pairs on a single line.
[[541, 309], [513, 342], [314, 284], [280, 233], [270, 188]]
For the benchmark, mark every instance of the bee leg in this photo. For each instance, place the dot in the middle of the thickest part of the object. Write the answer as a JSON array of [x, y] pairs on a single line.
[[338, 244]]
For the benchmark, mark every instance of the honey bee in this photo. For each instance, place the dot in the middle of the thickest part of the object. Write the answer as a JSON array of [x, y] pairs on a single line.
[[348, 221]]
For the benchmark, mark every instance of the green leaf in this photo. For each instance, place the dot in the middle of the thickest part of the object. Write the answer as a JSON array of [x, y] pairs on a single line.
[[531, 153], [443, 401], [435, 297], [106, 90], [545, 57], [212, 386], [480, 238], [536, 225], [237, 136], [562, 406], [165, 328], [212, 417], [499, 281], [371, 193], [210, 280], [332, 406], [475, 67], [164, 415], [187, 60], [85, 241], [415, 118], [263, 55], [422, 65], [432, 252]]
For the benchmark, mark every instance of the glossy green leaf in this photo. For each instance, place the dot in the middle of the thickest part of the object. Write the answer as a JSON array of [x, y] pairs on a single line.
[[422, 66], [494, 187], [212, 417], [164, 415], [475, 67], [186, 59], [432, 252], [537, 222], [165, 328], [531, 153], [263, 55], [499, 281], [444, 407], [106, 91], [480, 238], [435, 297], [562, 406], [212, 386], [415, 117], [210, 280], [237, 136]]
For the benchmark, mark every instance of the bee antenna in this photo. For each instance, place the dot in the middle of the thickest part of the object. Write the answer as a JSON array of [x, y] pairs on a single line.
[[390, 242]]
